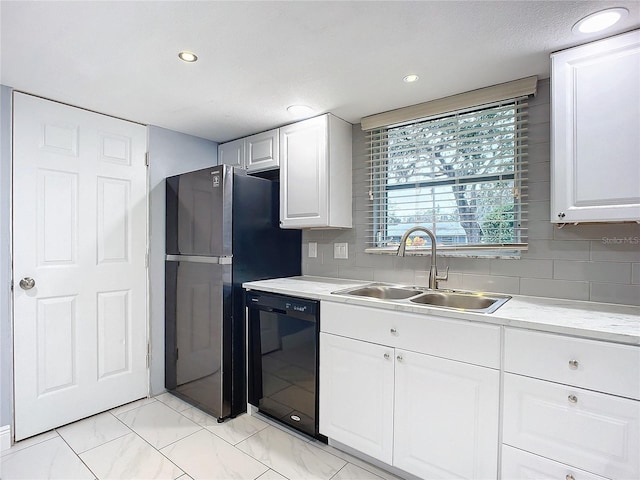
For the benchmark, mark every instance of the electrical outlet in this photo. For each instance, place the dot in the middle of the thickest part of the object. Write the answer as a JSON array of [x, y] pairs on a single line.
[[313, 249], [340, 250]]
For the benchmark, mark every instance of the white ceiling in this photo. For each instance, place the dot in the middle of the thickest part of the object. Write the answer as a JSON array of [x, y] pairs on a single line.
[[256, 58]]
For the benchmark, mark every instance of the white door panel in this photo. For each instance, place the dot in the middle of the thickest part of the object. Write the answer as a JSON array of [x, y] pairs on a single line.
[[80, 231]]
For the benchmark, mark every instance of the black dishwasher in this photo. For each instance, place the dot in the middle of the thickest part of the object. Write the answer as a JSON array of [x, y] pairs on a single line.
[[283, 337]]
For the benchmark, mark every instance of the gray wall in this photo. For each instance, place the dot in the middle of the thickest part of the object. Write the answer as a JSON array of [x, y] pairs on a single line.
[[170, 153], [6, 350], [575, 262]]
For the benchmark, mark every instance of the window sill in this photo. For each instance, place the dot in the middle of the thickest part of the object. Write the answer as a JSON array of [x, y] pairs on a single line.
[[483, 251]]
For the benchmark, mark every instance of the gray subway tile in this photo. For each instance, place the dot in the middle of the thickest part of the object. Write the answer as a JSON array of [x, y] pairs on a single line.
[[609, 272], [394, 276], [538, 191], [615, 293], [538, 211], [539, 133], [557, 250], [540, 113], [539, 153], [570, 289], [542, 230], [320, 270], [539, 172], [491, 283], [470, 265], [635, 273], [606, 251], [522, 268], [357, 273]]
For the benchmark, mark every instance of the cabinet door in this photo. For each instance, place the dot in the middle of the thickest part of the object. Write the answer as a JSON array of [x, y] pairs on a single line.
[[356, 395], [595, 125], [232, 153], [595, 432], [446, 417], [304, 174], [262, 152]]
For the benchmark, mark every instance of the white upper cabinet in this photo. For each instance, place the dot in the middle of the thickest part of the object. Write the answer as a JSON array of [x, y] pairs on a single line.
[[262, 151], [315, 173], [595, 151], [232, 153], [255, 153]]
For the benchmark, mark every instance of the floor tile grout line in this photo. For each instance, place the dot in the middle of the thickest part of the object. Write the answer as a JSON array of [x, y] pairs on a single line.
[[103, 443], [6, 455], [156, 449], [172, 462], [95, 476]]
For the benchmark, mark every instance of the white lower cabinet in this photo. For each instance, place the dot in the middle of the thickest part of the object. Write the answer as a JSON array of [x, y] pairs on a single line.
[[445, 417], [429, 416], [422, 393], [356, 394], [569, 404], [518, 464]]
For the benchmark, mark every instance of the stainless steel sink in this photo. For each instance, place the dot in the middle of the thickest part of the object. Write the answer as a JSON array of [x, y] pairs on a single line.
[[382, 291], [448, 299], [462, 301]]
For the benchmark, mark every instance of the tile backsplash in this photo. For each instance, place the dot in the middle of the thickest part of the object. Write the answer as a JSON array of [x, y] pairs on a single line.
[[597, 262]]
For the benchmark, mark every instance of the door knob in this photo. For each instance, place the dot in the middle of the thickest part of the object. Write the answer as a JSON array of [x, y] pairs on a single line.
[[27, 283]]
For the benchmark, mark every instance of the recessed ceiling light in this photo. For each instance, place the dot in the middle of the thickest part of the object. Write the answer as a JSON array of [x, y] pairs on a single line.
[[187, 56], [299, 110], [410, 78], [599, 21]]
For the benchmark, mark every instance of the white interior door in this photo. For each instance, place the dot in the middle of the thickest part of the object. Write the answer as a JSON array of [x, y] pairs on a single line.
[[80, 232]]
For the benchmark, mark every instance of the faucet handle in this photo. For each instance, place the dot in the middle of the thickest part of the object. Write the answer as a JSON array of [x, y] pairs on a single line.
[[445, 277]]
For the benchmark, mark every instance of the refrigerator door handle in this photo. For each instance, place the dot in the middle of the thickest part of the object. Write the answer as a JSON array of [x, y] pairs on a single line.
[[227, 260]]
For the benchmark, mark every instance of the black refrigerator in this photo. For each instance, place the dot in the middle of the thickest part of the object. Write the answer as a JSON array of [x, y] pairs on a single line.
[[222, 230]]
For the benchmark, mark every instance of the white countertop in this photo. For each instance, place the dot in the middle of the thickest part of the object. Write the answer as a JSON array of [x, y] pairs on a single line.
[[599, 321]]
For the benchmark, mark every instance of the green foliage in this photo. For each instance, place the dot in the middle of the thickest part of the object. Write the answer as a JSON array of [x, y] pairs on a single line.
[[498, 226]]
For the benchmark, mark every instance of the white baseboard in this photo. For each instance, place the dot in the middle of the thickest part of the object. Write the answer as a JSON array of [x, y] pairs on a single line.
[[5, 438]]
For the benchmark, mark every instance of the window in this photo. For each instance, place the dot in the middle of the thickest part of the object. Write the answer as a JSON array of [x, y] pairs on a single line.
[[461, 175]]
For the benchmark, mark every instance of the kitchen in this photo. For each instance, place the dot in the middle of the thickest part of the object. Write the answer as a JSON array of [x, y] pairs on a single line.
[[583, 262]]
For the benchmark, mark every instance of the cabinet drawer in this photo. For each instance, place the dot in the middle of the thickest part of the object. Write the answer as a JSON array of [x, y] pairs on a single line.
[[593, 431], [527, 466], [602, 366], [461, 340]]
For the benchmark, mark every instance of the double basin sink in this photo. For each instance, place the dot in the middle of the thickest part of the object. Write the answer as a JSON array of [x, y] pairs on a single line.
[[448, 299]]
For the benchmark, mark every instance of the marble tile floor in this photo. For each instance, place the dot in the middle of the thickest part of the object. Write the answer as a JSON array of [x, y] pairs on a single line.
[[166, 438]]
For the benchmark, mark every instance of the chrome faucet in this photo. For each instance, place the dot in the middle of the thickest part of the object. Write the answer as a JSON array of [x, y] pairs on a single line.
[[433, 269]]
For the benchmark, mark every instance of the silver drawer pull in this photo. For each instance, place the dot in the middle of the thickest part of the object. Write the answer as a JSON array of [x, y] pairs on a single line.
[[573, 399], [393, 331], [569, 477], [399, 357], [386, 356], [573, 364]]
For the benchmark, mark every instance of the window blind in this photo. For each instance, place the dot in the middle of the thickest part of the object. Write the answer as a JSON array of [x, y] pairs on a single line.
[[462, 175], [482, 96]]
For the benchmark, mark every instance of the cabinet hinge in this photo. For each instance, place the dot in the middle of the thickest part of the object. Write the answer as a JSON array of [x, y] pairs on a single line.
[[146, 159], [146, 259], [148, 354], [177, 353]]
